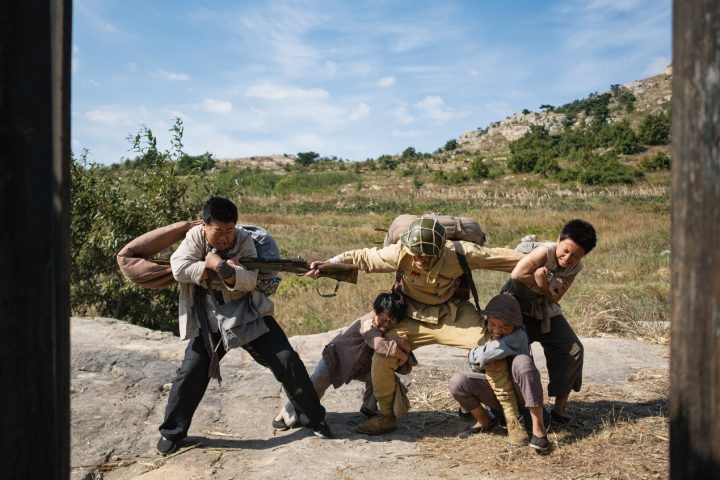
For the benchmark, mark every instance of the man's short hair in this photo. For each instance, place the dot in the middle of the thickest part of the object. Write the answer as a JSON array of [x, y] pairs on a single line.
[[220, 210], [580, 232]]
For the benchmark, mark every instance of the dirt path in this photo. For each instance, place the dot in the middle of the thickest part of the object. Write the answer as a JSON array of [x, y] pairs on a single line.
[[121, 374]]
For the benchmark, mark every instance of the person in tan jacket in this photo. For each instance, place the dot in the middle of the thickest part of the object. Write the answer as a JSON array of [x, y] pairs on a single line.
[[429, 273]]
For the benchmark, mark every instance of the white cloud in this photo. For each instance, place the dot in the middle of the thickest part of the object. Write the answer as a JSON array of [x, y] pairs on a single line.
[[362, 110], [330, 68], [112, 115], [406, 133], [386, 81], [433, 107], [172, 76], [274, 91], [402, 115], [215, 106]]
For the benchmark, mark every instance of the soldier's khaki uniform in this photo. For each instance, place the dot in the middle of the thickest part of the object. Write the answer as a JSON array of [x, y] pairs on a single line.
[[433, 315]]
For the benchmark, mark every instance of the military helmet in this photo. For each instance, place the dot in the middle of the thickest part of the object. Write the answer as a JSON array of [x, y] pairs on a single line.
[[424, 237]]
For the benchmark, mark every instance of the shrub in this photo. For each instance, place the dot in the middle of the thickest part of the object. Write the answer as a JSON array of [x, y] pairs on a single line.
[[478, 169], [451, 145], [618, 136], [233, 181], [195, 163], [655, 129], [307, 183], [526, 151], [109, 207], [603, 170], [659, 161]]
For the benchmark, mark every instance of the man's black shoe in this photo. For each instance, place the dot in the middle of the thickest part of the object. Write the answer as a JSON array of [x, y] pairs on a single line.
[[322, 431], [166, 446]]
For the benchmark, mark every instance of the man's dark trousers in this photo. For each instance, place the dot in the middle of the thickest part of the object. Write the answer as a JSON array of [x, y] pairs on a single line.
[[272, 350]]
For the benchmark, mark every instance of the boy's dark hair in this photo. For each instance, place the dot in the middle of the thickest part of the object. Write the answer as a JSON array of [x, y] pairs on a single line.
[[580, 232], [219, 209], [392, 303]]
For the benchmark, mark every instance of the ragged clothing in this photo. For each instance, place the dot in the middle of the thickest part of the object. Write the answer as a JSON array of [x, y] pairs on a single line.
[[348, 356], [188, 266], [428, 292], [510, 345], [534, 303]]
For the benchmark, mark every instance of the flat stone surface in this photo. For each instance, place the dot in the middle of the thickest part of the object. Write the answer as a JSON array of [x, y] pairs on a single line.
[[120, 376]]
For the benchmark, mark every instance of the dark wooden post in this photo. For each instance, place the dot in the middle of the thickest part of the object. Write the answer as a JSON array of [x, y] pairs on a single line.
[[34, 239], [695, 337]]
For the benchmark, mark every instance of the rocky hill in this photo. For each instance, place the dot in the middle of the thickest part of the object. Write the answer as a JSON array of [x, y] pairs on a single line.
[[652, 95]]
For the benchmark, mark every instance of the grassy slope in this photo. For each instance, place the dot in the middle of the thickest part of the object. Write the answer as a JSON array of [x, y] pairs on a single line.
[[626, 280]]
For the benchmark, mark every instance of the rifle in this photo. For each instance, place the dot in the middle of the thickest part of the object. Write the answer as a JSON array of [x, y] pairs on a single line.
[[337, 271]]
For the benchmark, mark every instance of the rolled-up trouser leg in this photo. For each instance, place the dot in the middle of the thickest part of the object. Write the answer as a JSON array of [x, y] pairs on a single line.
[[526, 377], [383, 379], [273, 350], [502, 384], [473, 390], [320, 379]]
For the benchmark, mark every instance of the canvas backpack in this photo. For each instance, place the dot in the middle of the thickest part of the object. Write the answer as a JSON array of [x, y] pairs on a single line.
[[456, 228]]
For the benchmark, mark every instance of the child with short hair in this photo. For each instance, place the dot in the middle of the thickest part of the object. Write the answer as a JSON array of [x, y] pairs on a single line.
[[506, 339], [348, 356], [544, 267]]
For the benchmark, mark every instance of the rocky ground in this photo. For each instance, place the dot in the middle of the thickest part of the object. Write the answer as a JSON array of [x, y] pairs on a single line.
[[121, 375]]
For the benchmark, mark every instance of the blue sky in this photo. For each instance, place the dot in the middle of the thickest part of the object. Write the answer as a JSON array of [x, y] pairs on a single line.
[[352, 79]]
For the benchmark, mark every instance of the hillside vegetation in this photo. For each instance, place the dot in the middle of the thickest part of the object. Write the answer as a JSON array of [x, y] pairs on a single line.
[[604, 158]]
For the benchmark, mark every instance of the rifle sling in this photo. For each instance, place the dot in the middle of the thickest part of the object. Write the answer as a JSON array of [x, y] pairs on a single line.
[[460, 252]]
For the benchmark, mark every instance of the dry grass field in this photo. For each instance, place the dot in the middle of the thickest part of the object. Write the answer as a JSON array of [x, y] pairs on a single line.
[[624, 289]]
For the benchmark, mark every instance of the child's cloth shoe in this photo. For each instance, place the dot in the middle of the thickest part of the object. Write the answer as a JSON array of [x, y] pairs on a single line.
[[378, 425], [541, 444], [517, 436], [475, 430], [280, 424]]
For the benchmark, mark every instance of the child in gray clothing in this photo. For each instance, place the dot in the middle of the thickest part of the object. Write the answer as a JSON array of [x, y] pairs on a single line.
[[506, 339]]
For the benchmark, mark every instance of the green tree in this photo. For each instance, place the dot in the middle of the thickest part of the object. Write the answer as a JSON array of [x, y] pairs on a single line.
[[306, 158], [111, 206], [451, 145], [409, 153]]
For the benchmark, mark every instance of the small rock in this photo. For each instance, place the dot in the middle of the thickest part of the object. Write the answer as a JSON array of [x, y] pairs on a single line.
[[529, 238], [665, 253], [166, 387]]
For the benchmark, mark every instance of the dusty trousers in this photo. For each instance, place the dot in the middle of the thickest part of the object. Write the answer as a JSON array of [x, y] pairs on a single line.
[[271, 350], [466, 331]]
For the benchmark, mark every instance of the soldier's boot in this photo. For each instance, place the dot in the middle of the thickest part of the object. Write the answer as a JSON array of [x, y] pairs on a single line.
[[517, 435], [378, 425]]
